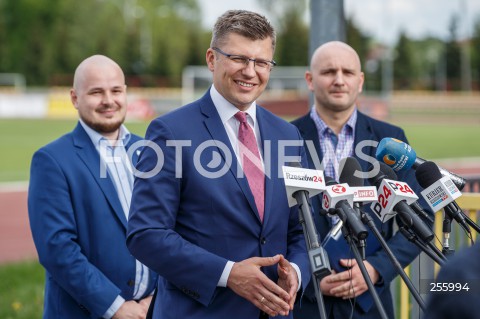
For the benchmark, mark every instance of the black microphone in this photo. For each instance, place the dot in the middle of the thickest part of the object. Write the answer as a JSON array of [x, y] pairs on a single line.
[[428, 174], [337, 196], [348, 168], [392, 197], [319, 261]]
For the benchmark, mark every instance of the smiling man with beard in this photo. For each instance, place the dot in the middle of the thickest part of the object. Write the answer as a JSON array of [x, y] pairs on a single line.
[[78, 202]]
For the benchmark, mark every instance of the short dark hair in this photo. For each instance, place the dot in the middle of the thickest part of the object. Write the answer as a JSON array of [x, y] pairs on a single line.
[[245, 23]]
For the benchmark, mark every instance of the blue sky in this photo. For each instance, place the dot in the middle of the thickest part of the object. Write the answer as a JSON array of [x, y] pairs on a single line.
[[382, 19]]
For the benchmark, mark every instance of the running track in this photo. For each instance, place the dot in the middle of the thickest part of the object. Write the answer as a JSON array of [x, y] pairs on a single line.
[[16, 242]]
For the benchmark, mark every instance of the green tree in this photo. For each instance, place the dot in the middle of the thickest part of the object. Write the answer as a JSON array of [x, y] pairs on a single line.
[[292, 40], [292, 32], [46, 39], [403, 66], [357, 39], [475, 54], [452, 55], [363, 44], [29, 46]]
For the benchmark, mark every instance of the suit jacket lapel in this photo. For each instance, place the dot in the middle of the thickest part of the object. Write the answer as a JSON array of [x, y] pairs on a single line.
[[270, 148], [90, 157], [310, 135], [364, 132], [136, 152], [309, 132], [215, 127]]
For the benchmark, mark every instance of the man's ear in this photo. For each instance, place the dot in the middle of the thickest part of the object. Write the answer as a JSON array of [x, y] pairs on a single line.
[[210, 58], [73, 98]]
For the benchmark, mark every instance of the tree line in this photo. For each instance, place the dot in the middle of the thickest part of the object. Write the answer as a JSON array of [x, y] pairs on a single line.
[[154, 40]]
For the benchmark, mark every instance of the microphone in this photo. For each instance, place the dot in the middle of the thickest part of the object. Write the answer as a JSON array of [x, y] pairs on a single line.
[[417, 208], [338, 198], [300, 184], [400, 156], [361, 194], [395, 197], [349, 166], [440, 192], [298, 179]]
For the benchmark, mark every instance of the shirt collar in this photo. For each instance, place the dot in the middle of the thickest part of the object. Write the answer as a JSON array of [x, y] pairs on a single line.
[[322, 127], [227, 110], [96, 137]]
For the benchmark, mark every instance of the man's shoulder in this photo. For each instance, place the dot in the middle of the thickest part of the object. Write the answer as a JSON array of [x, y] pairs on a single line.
[[376, 124], [468, 259], [183, 113], [62, 143], [276, 121], [135, 137], [302, 120]]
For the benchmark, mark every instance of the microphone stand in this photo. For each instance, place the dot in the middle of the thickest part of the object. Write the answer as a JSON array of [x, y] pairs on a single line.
[[470, 222], [319, 263], [447, 228], [348, 237], [367, 220], [430, 250]]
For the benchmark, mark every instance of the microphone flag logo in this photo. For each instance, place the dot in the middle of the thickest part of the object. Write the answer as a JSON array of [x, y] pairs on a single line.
[[339, 189]]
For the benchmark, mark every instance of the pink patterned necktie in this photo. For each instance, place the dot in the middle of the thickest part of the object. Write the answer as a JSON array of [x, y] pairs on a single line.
[[251, 162]]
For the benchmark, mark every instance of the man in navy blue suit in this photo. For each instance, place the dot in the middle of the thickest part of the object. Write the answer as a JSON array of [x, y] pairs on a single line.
[[78, 204], [212, 217], [336, 128]]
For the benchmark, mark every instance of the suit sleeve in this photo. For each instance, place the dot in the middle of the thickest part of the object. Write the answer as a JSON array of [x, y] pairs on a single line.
[[55, 233], [151, 236]]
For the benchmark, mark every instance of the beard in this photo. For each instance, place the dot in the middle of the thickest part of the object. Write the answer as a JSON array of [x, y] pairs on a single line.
[[105, 127]]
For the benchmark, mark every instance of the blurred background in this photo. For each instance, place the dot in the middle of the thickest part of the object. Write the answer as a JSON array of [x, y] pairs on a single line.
[[421, 61], [414, 48]]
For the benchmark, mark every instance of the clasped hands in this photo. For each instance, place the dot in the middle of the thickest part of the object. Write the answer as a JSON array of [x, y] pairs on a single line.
[[247, 280], [133, 309], [349, 283]]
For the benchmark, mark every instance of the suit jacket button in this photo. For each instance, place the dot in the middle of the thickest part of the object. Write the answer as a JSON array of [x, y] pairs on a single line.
[[263, 240], [131, 283]]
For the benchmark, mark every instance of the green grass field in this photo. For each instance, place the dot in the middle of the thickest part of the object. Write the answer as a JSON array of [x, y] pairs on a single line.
[[20, 138], [21, 291], [440, 141]]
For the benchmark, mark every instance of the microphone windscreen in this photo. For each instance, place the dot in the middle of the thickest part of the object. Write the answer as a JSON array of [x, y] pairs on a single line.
[[388, 171], [329, 181], [348, 166], [376, 180], [427, 173], [294, 164], [395, 153]]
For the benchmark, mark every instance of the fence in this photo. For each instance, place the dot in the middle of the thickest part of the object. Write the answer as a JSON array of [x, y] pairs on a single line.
[[423, 268]]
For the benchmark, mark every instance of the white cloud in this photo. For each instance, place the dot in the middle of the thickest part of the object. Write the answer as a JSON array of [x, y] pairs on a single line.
[[382, 19], [418, 18], [212, 9]]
